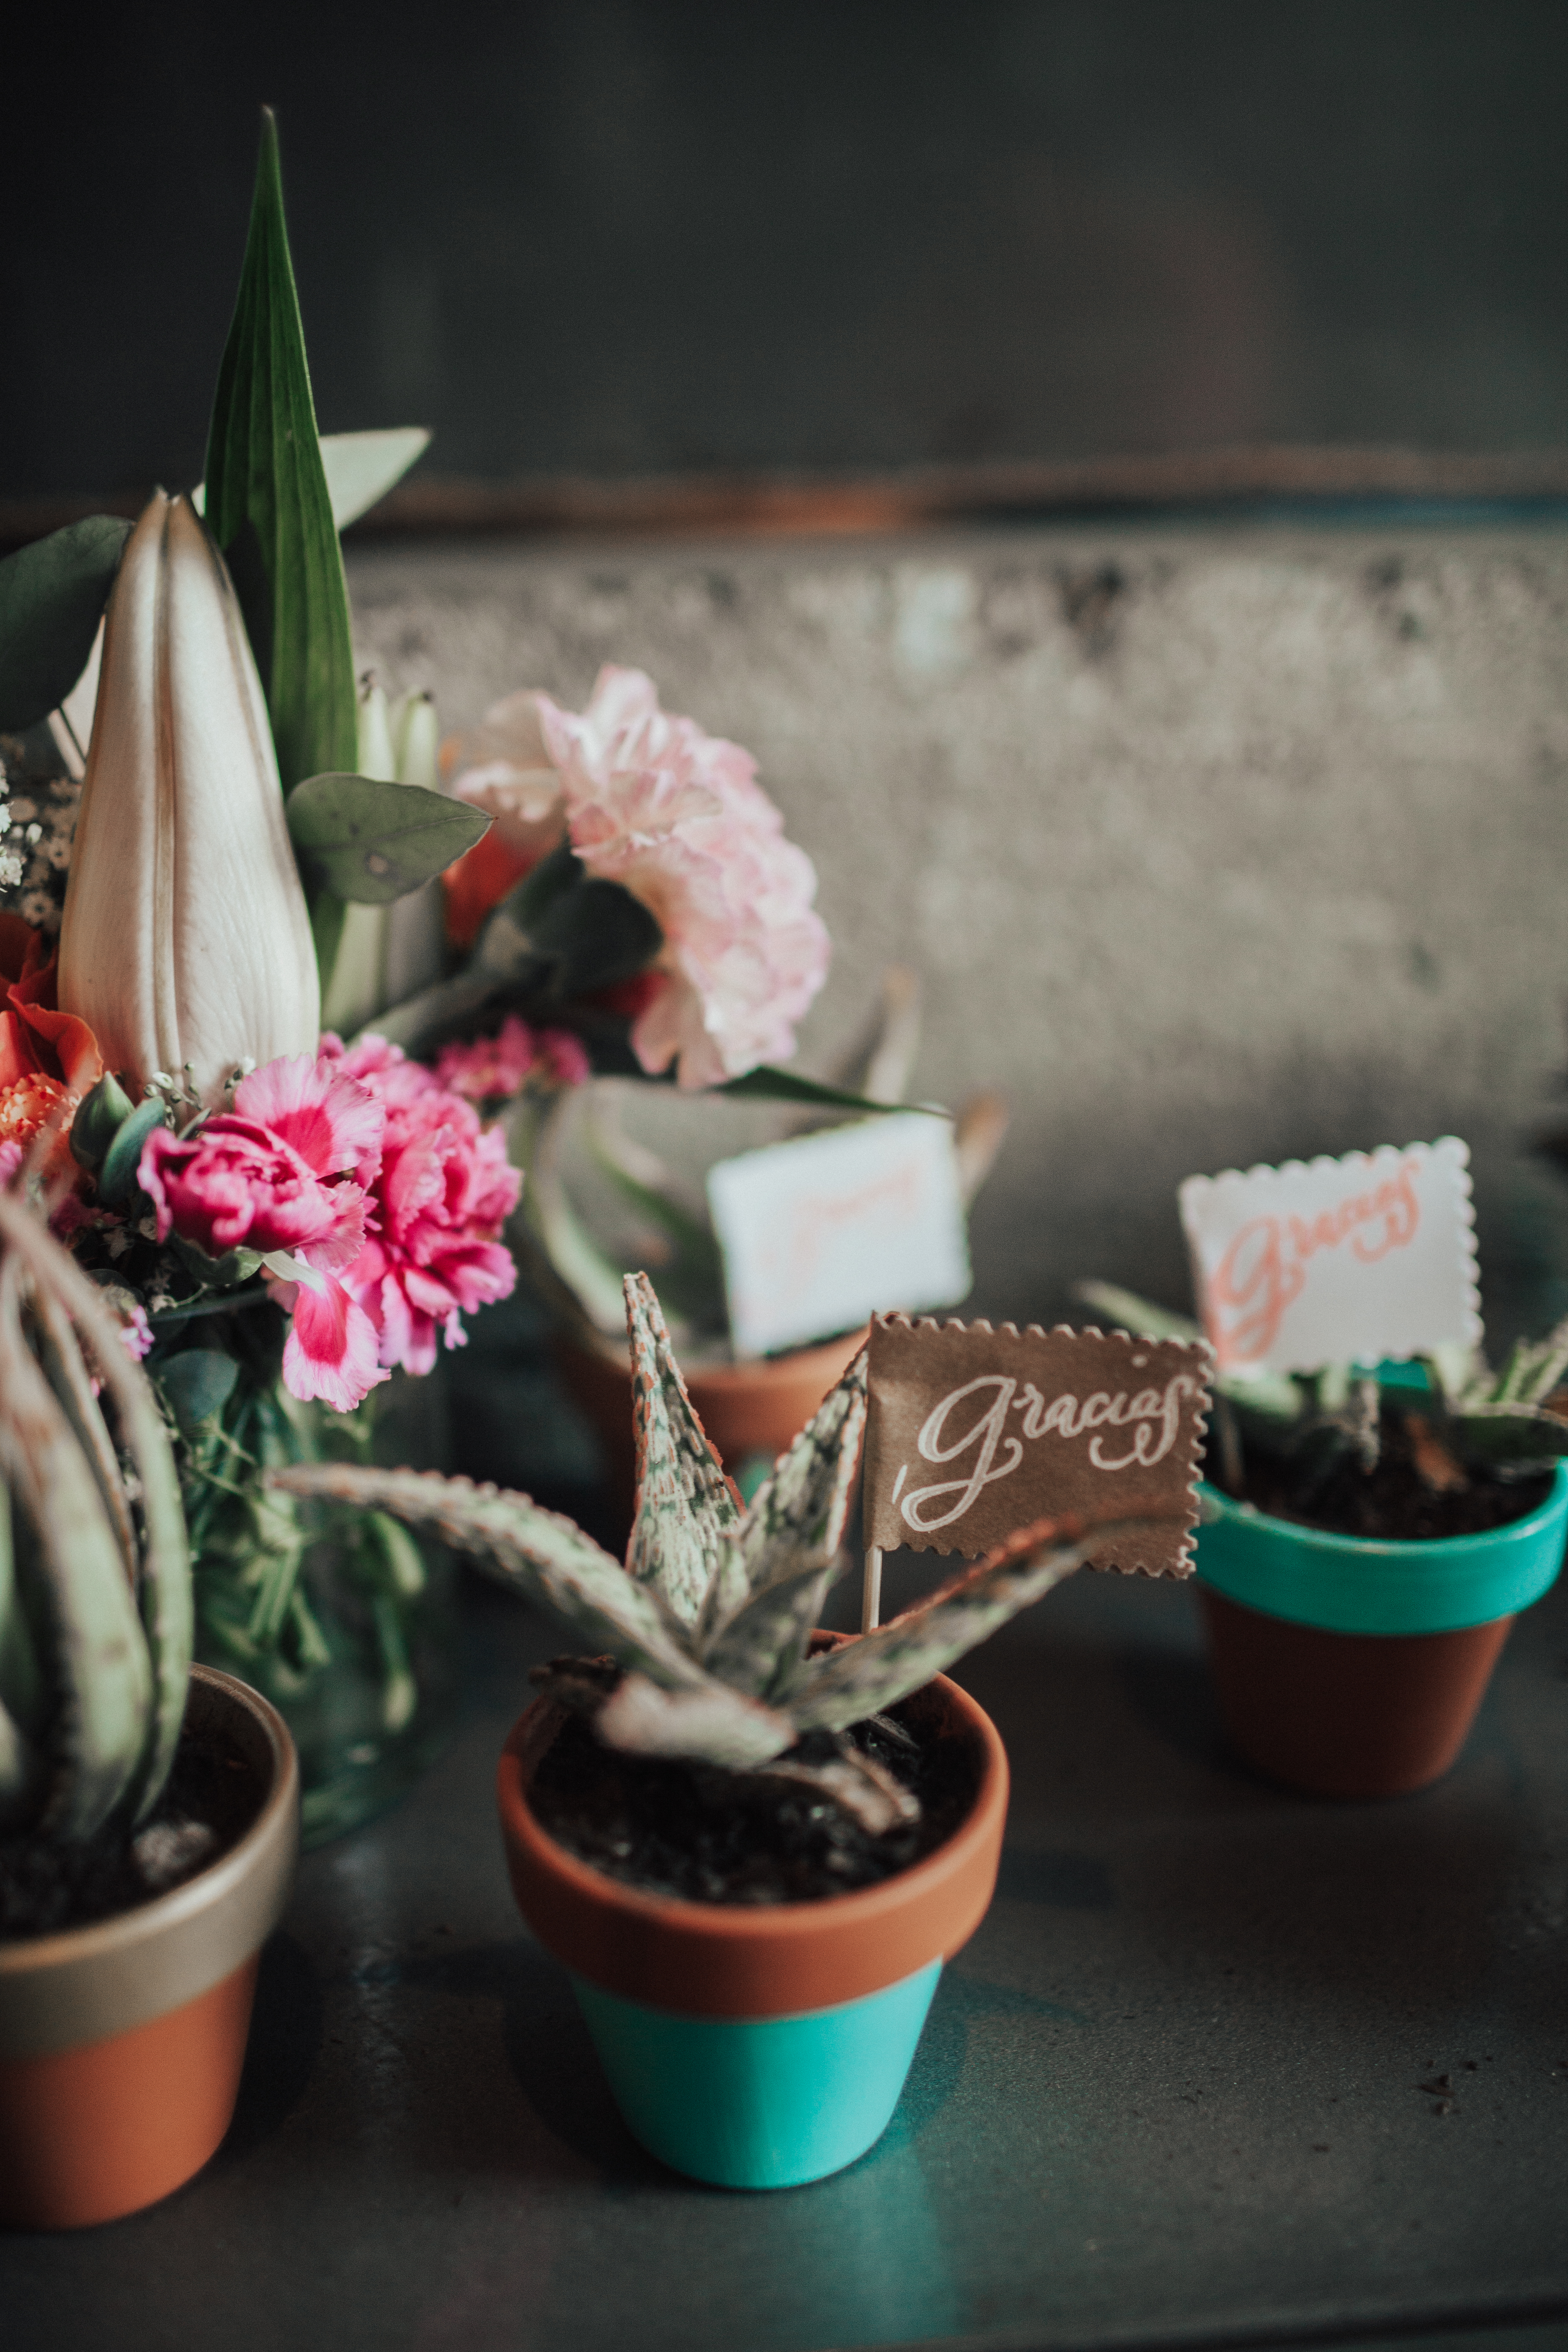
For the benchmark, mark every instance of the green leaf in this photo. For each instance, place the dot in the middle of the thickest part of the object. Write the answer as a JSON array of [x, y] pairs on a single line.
[[577, 932], [197, 1383], [116, 1177], [372, 842], [52, 596], [687, 1513], [268, 507], [103, 1113], [767, 1085]]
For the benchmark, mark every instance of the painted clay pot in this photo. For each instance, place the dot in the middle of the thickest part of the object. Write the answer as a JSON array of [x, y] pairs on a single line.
[[757, 2047], [1351, 1668], [121, 2043], [756, 1408]]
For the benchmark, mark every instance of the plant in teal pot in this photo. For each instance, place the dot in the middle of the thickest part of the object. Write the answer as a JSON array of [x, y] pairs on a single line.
[[1367, 1541]]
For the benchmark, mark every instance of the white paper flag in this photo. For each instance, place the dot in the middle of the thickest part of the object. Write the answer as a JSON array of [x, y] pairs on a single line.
[[818, 1233], [1339, 1262]]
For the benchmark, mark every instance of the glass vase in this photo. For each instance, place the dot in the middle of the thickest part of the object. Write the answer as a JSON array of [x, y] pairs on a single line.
[[340, 1617]]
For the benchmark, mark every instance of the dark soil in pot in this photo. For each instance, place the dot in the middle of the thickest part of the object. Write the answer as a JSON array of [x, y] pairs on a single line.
[[700, 1835], [1416, 1494], [213, 1796]]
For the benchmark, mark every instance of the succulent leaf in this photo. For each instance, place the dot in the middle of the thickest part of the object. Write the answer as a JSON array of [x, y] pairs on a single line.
[[1273, 1396], [723, 1726], [787, 1549], [866, 1675], [538, 1551], [687, 1513], [99, 1658]]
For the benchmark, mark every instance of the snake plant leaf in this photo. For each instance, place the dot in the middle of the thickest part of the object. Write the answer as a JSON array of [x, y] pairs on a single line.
[[269, 505], [533, 1551], [724, 1726], [371, 842], [787, 1549], [868, 1675], [52, 596], [686, 1511], [765, 1084], [100, 1659]]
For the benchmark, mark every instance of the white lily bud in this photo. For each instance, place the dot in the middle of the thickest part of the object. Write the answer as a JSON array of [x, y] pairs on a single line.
[[185, 943]]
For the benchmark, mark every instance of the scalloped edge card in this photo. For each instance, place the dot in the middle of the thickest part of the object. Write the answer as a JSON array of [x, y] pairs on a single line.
[[1340, 1261], [972, 1433], [820, 1232]]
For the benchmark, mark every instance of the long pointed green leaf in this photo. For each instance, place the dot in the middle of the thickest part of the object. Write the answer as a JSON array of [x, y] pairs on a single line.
[[268, 507], [100, 1656], [868, 1675], [686, 1510], [788, 1548], [52, 596], [765, 1084], [524, 1547], [166, 1607]]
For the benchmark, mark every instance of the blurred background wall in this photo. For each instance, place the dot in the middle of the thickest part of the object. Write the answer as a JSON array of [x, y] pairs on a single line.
[[1211, 762]]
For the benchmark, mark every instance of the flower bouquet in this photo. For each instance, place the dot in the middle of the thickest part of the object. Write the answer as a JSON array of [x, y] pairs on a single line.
[[279, 1222]]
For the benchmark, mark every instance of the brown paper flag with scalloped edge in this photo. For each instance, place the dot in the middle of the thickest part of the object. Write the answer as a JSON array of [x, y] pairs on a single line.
[[976, 1433]]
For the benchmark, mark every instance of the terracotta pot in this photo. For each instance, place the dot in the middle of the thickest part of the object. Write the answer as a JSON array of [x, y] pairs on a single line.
[[1350, 1668], [121, 2043], [757, 2046], [745, 1409]]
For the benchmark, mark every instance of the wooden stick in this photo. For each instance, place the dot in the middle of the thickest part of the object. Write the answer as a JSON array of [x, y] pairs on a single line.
[[871, 1591]]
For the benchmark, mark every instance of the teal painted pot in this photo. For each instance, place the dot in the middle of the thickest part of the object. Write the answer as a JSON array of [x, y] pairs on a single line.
[[758, 2046], [1355, 1668], [760, 2102]]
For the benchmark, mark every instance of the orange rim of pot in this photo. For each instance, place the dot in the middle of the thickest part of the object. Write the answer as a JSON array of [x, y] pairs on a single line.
[[776, 1959]]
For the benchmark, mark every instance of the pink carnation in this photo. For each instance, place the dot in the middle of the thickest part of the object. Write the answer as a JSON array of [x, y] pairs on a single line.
[[274, 1172], [330, 1351], [677, 818], [493, 1069], [438, 1202]]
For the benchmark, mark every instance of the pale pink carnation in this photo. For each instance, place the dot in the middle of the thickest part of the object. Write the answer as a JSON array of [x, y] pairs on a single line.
[[677, 818], [494, 1069], [505, 767], [438, 1202]]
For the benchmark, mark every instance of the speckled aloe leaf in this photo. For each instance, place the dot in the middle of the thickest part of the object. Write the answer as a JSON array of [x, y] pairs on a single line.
[[787, 1549], [547, 1556], [868, 1675], [164, 1601], [722, 1726], [687, 1513], [99, 1658]]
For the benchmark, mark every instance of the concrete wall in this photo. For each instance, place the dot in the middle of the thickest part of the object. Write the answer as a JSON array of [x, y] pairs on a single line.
[[1211, 846]]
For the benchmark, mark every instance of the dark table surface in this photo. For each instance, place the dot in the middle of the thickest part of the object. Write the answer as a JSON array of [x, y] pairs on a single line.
[[1170, 2094]]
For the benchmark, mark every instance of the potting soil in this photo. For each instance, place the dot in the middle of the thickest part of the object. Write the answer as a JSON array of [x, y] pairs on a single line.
[[702, 1836], [1393, 1503], [213, 1795]]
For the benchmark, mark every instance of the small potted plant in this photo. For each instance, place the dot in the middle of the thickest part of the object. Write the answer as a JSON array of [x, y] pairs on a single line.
[[1366, 1544], [149, 1809], [752, 1846]]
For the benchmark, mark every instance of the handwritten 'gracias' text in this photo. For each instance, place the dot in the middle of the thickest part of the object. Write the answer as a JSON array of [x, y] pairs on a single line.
[[1264, 1270], [1151, 1417]]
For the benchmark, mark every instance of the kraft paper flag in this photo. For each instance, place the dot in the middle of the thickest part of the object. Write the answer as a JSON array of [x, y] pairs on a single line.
[[975, 1432], [1338, 1261]]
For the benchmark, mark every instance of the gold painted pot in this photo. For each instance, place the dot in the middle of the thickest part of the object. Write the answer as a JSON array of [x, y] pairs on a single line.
[[121, 2041]]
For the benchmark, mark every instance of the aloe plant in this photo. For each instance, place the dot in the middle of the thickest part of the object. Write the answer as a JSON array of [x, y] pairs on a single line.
[[1471, 1422], [95, 1581], [709, 1619]]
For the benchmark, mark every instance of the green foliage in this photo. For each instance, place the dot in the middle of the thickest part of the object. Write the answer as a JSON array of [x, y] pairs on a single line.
[[765, 1084], [267, 504], [117, 1174], [372, 842], [104, 1112], [52, 596], [712, 1616]]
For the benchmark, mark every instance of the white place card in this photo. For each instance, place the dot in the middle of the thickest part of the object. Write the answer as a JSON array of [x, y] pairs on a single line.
[[820, 1233], [1336, 1262]]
